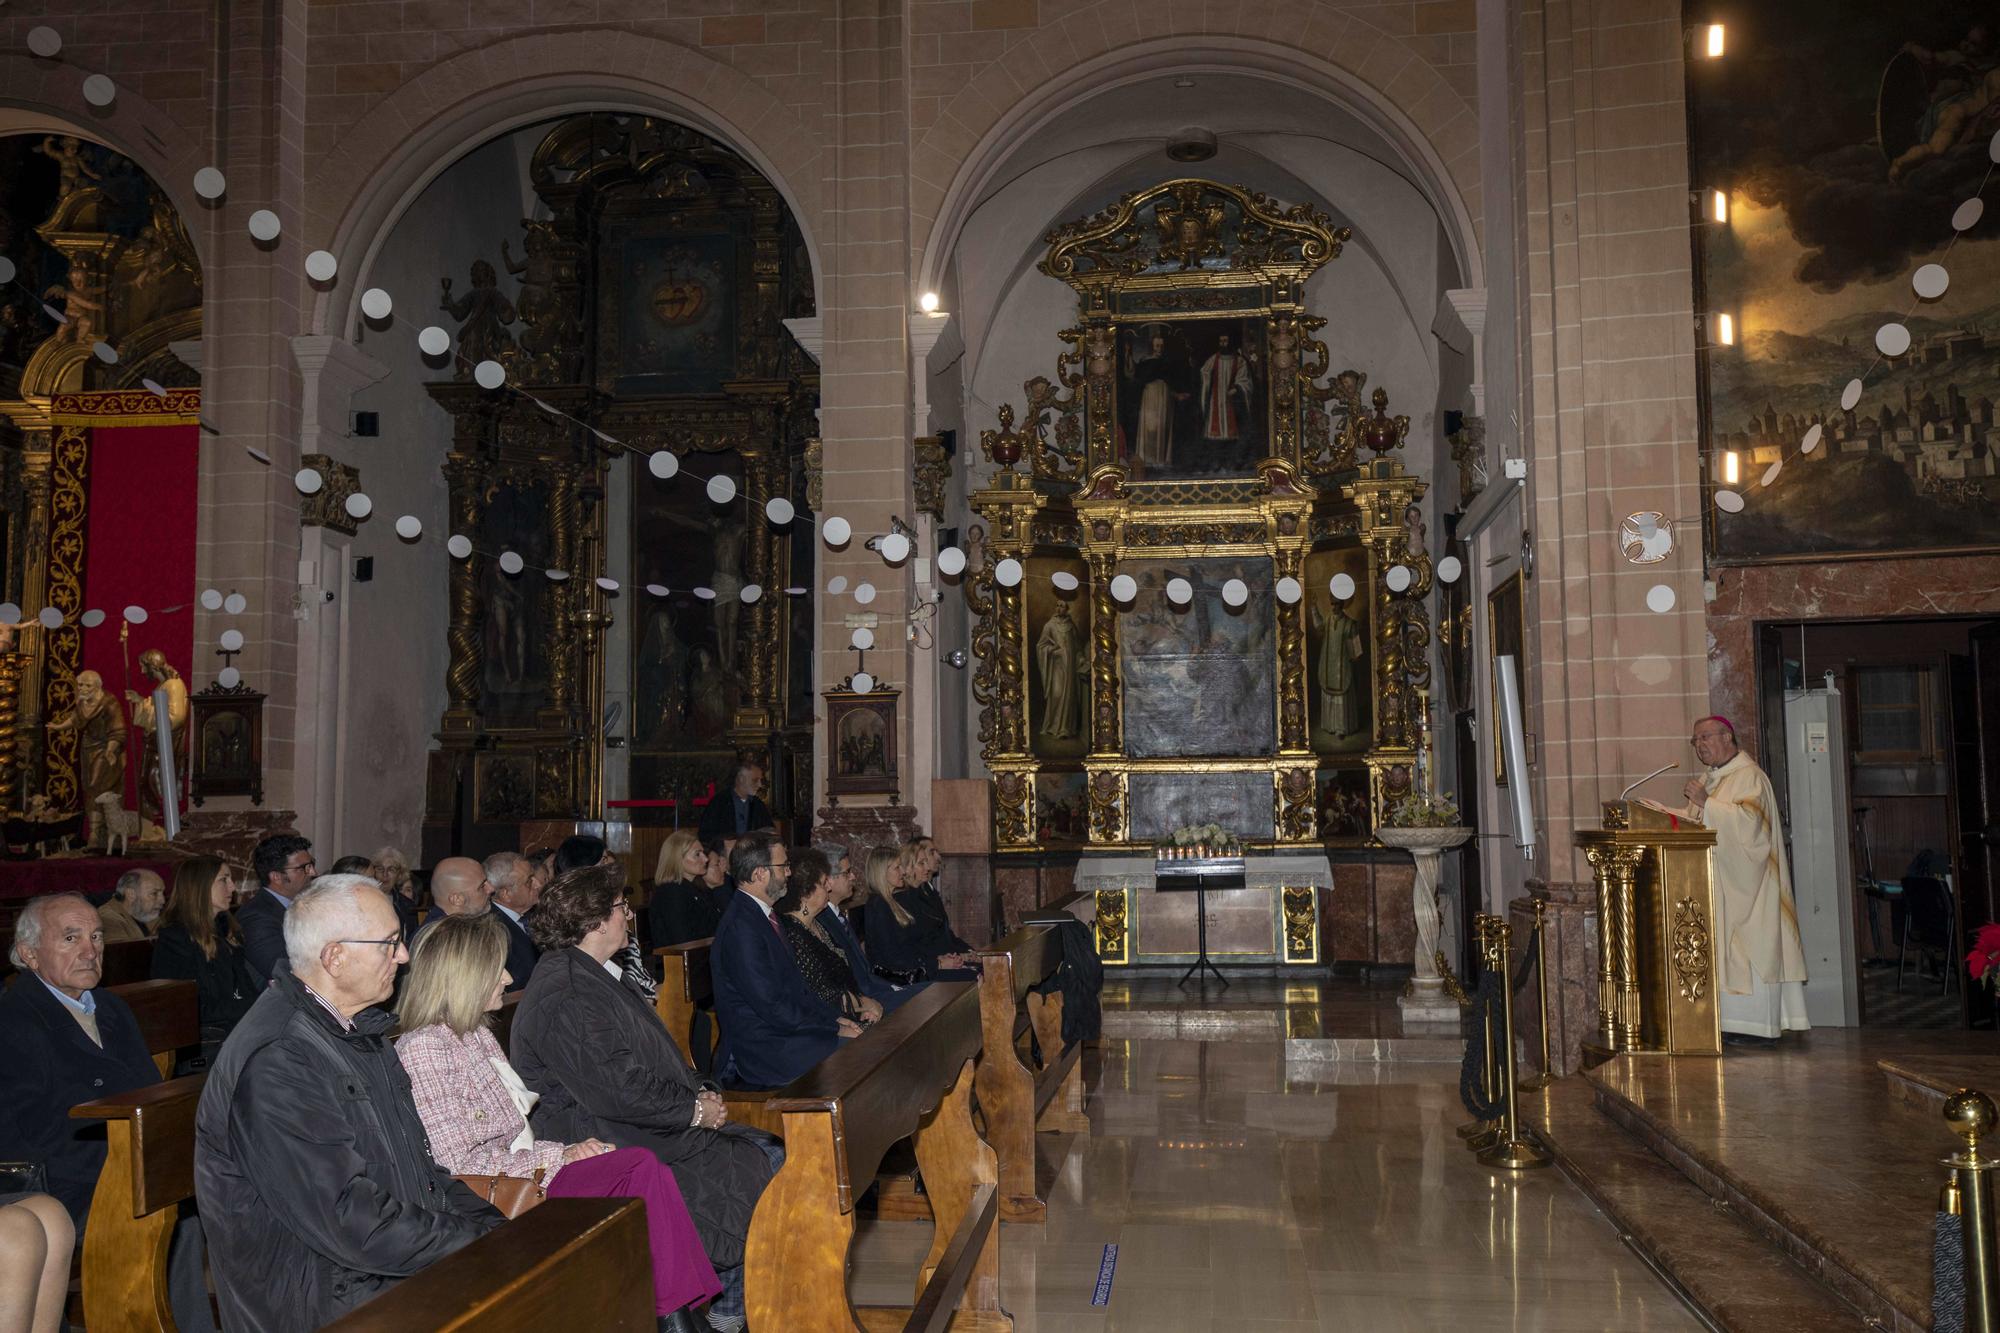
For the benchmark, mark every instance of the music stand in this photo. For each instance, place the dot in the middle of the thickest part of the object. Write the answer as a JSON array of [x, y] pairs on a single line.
[[1198, 877]]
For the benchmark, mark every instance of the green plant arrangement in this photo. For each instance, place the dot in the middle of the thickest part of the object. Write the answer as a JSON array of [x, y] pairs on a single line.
[[1423, 810], [1195, 842]]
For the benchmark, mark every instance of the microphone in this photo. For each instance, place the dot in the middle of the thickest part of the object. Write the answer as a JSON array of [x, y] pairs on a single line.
[[1648, 778]]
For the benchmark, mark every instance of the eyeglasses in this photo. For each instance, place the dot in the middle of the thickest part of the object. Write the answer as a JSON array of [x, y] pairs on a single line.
[[307, 864], [390, 945]]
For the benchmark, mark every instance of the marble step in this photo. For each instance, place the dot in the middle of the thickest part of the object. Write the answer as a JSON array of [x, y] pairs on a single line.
[[1727, 1270]]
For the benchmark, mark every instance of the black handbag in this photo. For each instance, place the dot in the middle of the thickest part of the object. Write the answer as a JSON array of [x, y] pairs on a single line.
[[896, 978]]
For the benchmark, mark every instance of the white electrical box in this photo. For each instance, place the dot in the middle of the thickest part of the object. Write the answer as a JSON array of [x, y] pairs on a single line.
[[1821, 854]]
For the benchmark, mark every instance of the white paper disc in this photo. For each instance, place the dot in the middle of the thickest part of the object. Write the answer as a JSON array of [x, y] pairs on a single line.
[[235, 603], [375, 303], [1398, 578], [229, 678], [556, 575], [210, 183], [99, 90], [321, 266], [1850, 395], [836, 585], [264, 225], [1771, 472], [1341, 586], [1288, 589], [104, 352], [50, 617], [211, 599], [231, 640], [663, 463], [459, 545], [706, 594], [1448, 569], [862, 682], [836, 531], [92, 618], [6, 270], [779, 510], [1892, 339], [1966, 216], [154, 387], [1812, 437], [44, 41], [864, 593], [1007, 573], [862, 638], [1930, 281], [1729, 502], [489, 374], [750, 592], [1064, 580], [895, 547], [409, 527], [135, 615], [511, 562], [609, 585], [1992, 146], [359, 505], [1659, 599], [1179, 591], [10, 614], [951, 561], [722, 489], [795, 592], [434, 341], [1236, 592], [308, 481], [657, 589], [1124, 587]]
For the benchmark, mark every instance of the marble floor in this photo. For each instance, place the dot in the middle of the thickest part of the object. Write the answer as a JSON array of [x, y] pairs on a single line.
[[1243, 1198]]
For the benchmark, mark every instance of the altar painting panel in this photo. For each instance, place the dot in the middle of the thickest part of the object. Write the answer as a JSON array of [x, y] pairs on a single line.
[[1340, 692], [1193, 397], [515, 670], [1162, 802], [1062, 811], [1199, 679], [687, 649], [1345, 811], [1058, 658]]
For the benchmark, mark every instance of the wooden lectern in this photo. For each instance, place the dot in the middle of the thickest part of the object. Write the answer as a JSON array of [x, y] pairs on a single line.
[[1656, 932]]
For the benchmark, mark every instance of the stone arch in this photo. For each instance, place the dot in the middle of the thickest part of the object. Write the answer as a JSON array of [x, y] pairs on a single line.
[[416, 133], [1364, 70], [46, 97]]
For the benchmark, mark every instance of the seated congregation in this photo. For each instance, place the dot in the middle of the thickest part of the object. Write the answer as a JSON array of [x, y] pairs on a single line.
[[358, 1089]]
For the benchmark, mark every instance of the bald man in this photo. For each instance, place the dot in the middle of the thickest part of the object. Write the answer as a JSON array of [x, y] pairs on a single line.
[[459, 888]]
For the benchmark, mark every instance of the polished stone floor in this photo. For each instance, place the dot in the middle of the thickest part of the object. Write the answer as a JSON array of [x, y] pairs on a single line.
[[1241, 1197]]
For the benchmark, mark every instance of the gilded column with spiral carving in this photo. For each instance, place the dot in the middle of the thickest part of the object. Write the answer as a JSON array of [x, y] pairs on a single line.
[[759, 482], [1615, 868], [463, 477], [1106, 729], [1290, 564], [11, 663], [563, 660]]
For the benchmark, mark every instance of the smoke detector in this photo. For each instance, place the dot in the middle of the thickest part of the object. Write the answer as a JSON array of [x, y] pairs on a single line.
[[1193, 144]]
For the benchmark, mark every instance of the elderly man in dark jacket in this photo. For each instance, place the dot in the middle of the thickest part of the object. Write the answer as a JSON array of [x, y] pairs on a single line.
[[310, 1161]]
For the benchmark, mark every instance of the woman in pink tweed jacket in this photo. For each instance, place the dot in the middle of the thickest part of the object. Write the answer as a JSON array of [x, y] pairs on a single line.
[[475, 1107]]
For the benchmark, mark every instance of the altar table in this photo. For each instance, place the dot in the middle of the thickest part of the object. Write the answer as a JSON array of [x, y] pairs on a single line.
[[1274, 918]]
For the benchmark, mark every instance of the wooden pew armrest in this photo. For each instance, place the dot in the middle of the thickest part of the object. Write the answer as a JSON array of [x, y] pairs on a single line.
[[136, 1103]]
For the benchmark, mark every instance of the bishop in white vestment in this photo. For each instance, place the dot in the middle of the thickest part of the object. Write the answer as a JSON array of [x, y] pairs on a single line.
[[1760, 966]]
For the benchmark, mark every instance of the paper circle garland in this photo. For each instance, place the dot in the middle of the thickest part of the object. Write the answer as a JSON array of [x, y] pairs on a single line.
[[229, 678], [44, 41], [1930, 282], [1771, 472], [1449, 568], [154, 387], [210, 183], [657, 589], [359, 505], [10, 614], [264, 225], [1850, 395], [1729, 502], [862, 638], [234, 603], [375, 303], [135, 615], [609, 585], [706, 594], [511, 562], [211, 599], [663, 463], [230, 641], [864, 593], [321, 266], [1064, 580], [1236, 592], [895, 548], [489, 374], [1341, 586], [1992, 145], [409, 527], [836, 531], [1892, 339], [1659, 599], [92, 618], [779, 510], [1966, 216], [308, 481], [1007, 573], [99, 90], [459, 545], [836, 585], [722, 489], [1124, 587], [1811, 441], [6, 270], [862, 682], [104, 352], [1398, 578], [434, 341], [50, 617], [750, 592], [951, 561], [1288, 590], [556, 575], [1179, 591]]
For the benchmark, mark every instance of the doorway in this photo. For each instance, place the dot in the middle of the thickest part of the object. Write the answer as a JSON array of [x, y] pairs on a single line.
[[1919, 703]]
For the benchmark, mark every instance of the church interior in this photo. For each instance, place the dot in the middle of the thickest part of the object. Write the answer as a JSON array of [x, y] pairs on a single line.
[[1415, 582]]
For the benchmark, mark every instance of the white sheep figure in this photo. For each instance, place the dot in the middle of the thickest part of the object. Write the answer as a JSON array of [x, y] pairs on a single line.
[[120, 825]]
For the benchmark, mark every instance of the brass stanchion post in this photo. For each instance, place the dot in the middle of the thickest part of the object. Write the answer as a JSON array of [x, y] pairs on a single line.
[[1493, 957], [1472, 1130], [1512, 1152], [1971, 1116], [1546, 1075], [1607, 947]]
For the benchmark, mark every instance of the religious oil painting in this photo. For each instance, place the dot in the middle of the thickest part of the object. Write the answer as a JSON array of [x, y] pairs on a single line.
[[1239, 803], [1830, 213], [1198, 678], [1058, 657], [861, 741], [1062, 810], [1340, 690], [1344, 807], [673, 329], [1192, 398], [514, 663], [689, 645]]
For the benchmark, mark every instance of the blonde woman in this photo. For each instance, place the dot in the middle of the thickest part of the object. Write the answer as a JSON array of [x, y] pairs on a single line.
[[909, 936], [475, 1107], [682, 909]]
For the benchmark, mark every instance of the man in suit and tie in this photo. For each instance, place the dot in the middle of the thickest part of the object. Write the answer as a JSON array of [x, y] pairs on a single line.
[[283, 864], [515, 893], [774, 1027]]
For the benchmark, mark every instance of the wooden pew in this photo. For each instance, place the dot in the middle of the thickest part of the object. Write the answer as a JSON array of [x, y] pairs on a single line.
[[578, 1263], [503, 1022], [1016, 1101], [169, 1014], [148, 1170], [911, 1074], [685, 985], [126, 961]]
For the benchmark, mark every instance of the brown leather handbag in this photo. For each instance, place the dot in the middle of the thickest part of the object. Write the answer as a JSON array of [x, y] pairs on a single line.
[[512, 1195]]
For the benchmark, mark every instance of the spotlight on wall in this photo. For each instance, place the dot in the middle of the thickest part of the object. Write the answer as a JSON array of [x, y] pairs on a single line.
[[956, 657], [928, 303], [1713, 39], [1725, 330], [1718, 205], [1732, 467]]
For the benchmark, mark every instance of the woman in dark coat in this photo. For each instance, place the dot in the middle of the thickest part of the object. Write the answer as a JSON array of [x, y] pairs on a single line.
[[199, 942], [605, 1068], [681, 910], [820, 958], [909, 935]]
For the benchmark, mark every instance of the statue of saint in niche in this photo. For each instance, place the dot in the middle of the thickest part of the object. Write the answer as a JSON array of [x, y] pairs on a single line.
[[483, 314], [99, 725], [1338, 680], [159, 673], [1065, 670]]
